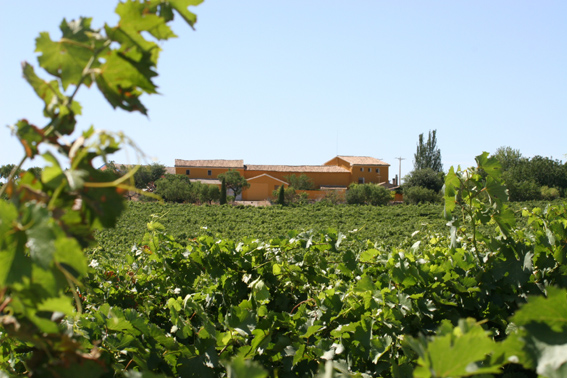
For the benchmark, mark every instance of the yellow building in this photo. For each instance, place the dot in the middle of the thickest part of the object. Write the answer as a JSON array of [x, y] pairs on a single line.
[[336, 174]]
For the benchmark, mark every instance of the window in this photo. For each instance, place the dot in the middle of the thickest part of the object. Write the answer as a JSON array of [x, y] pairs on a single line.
[[369, 169], [377, 170], [209, 172], [361, 169], [187, 172], [361, 180]]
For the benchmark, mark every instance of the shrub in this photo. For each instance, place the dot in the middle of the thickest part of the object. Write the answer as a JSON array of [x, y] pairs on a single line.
[[301, 182], [290, 196], [332, 197], [549, 194], [417, 194], [367, 194]]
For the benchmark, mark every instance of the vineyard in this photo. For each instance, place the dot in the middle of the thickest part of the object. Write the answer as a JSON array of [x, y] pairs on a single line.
[[93, 286], [234, 290], [385, 225], [390, 225]]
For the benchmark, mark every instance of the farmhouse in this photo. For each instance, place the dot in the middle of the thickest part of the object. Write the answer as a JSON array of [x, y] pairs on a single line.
[[336, 174]]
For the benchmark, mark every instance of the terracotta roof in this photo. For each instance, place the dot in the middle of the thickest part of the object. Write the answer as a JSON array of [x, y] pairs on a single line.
[[210, 163], [170, 170], [362, 160], [297, 168]]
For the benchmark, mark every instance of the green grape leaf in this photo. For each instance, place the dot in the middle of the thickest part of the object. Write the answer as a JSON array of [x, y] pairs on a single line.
[[40, 234], [68, 57], [450, 192], [496, 190], [141, 374], [239, 367], [490, 165], [139, 50], [137, 17], [369, 255], [241, 320], [181, 7], [505, 220], [551, 311], [49, 92], [46, 283], [454, 352], [260, 291], [52, 175], [548, 348], [75, 178], [61, 304], [299, 354], [30, 136], [70, 253], [119, 80], [118, 323], [15, 265], [364, 284]]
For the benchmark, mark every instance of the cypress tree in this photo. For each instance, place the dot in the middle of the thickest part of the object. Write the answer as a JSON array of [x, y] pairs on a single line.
[[281, 196], [222, 200]]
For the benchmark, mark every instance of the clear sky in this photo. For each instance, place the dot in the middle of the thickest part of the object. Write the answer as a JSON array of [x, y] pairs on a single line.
[[300, 81]]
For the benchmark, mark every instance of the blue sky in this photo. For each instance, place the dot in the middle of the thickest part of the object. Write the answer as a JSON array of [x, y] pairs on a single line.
[[297, 82]]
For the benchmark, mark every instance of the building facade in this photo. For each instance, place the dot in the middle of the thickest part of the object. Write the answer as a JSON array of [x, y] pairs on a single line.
[[336, 174]]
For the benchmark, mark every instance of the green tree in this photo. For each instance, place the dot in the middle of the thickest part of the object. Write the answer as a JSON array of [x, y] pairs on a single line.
[[5, 170], [147, 175], [508, 157], [175, 188], [425, 178], [209, 193], [301, 182], [222, 199], [281, 195], [234, 181], [525, 177], [428, 155]]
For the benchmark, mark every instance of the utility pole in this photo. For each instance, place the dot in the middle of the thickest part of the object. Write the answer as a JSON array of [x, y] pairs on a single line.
[[400, 176]]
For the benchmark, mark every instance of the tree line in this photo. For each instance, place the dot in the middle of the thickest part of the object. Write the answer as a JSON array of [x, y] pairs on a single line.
[[527, 179]]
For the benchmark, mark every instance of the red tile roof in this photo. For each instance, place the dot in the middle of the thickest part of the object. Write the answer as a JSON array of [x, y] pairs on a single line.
[[362, 160], [210, 163], [297, 168]]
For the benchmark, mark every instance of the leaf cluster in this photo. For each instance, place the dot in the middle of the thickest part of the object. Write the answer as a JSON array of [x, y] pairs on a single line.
[[47, 217]]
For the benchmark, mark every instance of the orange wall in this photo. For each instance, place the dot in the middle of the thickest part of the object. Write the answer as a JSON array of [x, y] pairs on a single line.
[[356, 173], [261, 188], [319, 178], [361, 171]]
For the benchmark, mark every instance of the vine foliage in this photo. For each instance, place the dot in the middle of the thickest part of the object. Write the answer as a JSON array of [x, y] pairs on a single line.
[[46, 222]]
